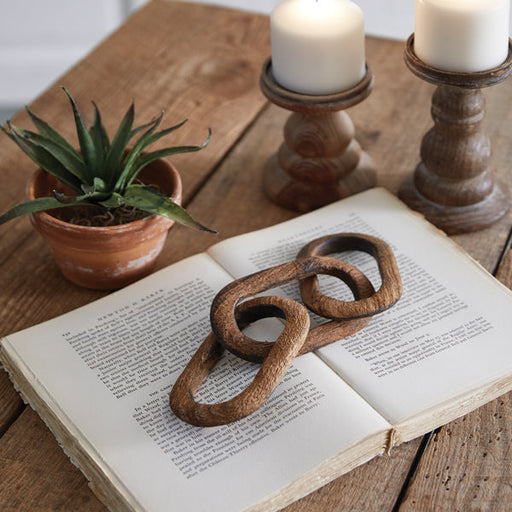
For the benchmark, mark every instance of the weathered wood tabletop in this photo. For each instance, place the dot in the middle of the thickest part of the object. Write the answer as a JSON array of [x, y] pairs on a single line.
[[203, 63]]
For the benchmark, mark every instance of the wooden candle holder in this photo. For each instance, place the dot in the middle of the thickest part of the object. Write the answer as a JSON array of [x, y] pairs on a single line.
[[454, 186], [320, 161]]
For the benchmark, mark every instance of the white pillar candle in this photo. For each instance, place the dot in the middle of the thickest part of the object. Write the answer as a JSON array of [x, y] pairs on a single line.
[[317, 45], [462, 35]]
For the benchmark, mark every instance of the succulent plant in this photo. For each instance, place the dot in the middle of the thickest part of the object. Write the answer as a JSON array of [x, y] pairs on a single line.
[[102, 172]]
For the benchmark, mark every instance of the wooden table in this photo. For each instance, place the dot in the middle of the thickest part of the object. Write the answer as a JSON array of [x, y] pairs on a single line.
[[203, 63]]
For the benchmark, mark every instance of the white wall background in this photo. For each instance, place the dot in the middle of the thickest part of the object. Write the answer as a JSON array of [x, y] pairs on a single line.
[[387, 18], [40, 39]]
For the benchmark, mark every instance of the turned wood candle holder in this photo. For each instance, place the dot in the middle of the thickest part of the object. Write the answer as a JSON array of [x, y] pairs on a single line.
[[454, 186], [319, 161]]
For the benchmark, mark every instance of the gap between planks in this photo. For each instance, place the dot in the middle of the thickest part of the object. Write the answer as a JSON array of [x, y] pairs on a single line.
[[427, 438]]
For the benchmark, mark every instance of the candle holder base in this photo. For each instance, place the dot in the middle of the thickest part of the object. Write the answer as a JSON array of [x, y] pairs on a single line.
[[320, 161], [458, 219], [304, 196], [454, 185]]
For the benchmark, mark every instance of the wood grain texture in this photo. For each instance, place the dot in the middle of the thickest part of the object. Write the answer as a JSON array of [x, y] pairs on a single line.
[[35, 474], [224, 315], [389, 126], [12, 405], [373, 487], [229, 314], [461, 468], [385, 297], [270, 373], [197, 69], [454, 185], [320, 160], [376, 485]]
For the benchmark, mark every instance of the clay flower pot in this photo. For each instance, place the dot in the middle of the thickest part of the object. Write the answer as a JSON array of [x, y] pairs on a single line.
[[107, 257]]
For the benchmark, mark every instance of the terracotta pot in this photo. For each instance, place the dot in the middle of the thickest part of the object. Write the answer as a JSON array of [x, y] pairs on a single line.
[[110, 257]]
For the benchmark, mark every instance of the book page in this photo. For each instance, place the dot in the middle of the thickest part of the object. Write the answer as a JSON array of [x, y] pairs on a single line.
[[448, 334], [106, 371]]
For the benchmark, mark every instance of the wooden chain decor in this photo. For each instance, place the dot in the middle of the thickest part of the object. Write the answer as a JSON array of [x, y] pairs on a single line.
[[233, 309]]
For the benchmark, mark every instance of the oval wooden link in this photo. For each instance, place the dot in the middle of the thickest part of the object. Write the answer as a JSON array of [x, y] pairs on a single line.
[[273, 369], [226, 324], [229, 314], [387, 295]]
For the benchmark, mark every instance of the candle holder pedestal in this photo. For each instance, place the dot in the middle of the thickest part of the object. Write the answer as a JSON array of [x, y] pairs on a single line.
[[319, 161], [454, 186]]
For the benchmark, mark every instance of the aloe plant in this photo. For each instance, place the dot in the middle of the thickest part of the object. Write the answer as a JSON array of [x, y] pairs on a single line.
[[102, 172]]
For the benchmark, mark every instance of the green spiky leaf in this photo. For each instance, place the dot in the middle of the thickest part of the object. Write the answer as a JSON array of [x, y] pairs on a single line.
[[131, 163], [103, 170], [114, 201], [151, 201], [99, 137], [147, 158], [37, 205], [49, 132], [43, 158], [119, 143], [84, 138], [68, 157], [151, 125]]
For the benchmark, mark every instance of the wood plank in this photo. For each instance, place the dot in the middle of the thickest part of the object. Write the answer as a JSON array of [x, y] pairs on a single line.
[[373, 487], [468, 466], [30, 453], [244, 207], [398, 96], [395, 148], [233, 202], [486, 245], [197, 69], [12, 404]]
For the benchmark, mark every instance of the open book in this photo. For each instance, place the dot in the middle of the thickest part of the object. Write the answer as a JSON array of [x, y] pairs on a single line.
[[100, 376]]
